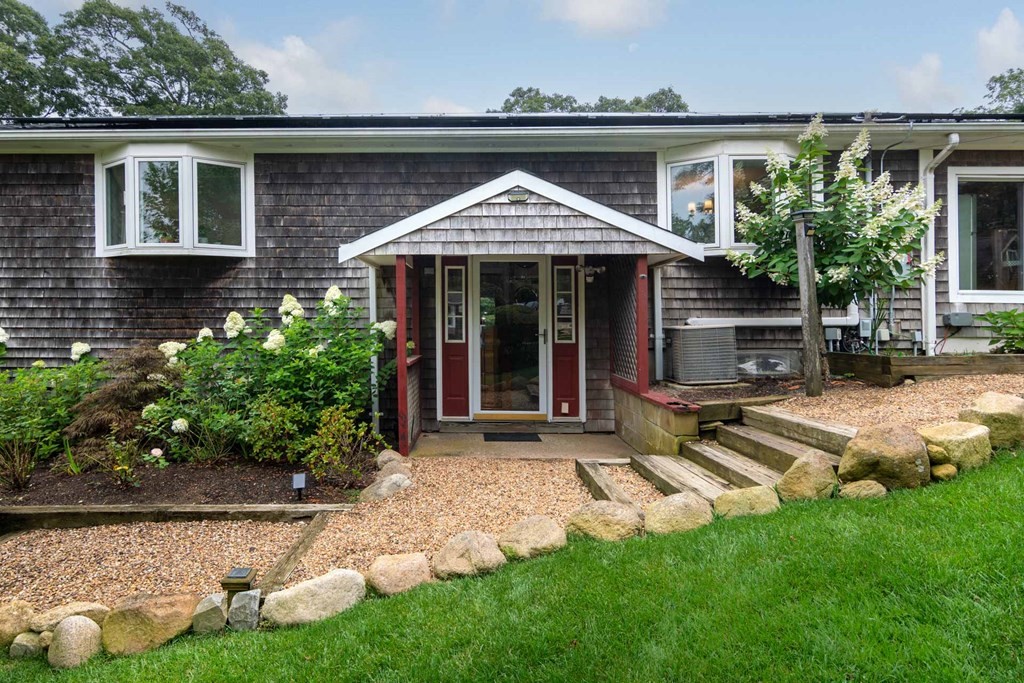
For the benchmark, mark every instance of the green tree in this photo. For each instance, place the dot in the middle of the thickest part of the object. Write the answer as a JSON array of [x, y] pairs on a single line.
[[29, 83], [533, 101], [144, 62], [1005, 93]]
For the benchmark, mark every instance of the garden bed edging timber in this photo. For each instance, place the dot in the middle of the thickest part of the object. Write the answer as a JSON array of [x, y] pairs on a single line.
[[888, 371]]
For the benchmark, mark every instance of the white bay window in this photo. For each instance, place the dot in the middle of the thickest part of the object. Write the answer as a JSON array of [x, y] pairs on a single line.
[[174, 199]]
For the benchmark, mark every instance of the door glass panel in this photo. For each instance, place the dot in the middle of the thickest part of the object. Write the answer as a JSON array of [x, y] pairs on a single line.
[[509, 344]]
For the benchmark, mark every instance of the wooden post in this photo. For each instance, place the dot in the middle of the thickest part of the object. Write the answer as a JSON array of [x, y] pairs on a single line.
[[643, 382], [810, 313], [402, 317]]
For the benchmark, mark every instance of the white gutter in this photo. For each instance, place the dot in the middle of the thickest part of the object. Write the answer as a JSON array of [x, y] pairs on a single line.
[[928, 304], [659, 331], [371, 273], [851, 318]]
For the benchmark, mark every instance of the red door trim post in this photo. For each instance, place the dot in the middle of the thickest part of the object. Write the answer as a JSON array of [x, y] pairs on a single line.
[[401, 302], [643, 383]]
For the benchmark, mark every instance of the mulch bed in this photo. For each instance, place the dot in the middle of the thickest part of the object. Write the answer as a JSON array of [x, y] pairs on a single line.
[[750, 388], [229, 483]]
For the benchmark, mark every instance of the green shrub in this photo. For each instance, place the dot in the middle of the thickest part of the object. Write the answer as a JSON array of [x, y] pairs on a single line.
[[1007, 329], [276, 432], [343, 446]]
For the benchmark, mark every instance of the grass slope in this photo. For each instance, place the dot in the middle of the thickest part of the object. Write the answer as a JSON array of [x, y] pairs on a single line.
[[919, 586]]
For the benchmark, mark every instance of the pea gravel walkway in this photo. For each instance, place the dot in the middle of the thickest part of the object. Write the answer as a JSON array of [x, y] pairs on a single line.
[[450, 495], [918, 404], [103, 564]]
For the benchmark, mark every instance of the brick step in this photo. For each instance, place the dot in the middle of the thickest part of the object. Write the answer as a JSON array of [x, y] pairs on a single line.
[[830, 437], [737, 469], [672, 474], [771, 450]]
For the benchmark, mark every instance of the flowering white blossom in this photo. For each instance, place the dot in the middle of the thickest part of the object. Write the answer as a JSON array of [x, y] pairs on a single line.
[[838, 273], [388, 328], [815, 129], [333, 294], [172, 361], [155, 377], [39, 364], [149, 411], [179, 426], [157, 453], [234, 324], [315, 351], [79, 349], [290, 309], [171, 349], [851, 155], [930, 265], [205, 333], [4, 337], [775, 162], [275, 341]]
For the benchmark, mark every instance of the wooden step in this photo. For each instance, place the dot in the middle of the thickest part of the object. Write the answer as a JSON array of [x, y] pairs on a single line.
[[769, 449], [601, 486], [671, 474], [831, 437], [735, 468]]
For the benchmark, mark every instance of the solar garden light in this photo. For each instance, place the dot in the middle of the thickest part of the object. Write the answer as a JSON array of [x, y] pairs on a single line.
[[237, 580], [299, 483]]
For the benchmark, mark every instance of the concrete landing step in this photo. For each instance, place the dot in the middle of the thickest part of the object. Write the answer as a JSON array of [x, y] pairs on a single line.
[[735, 468], [769, 449], [671, 474], [831, 437]]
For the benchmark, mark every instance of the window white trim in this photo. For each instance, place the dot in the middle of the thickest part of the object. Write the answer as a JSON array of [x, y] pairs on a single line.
[[954, 176], [716, 167], [187, 156], [447, 291], [555, 291], [728, 237]]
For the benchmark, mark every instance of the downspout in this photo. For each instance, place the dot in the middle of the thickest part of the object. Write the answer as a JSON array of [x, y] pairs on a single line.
[[659, 331], [928, 314], [375, 361]]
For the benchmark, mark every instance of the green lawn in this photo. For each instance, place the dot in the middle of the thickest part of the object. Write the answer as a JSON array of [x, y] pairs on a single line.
[[919, 586]]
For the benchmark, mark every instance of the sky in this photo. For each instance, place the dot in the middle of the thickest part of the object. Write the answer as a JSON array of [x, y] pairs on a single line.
[[453, 56]]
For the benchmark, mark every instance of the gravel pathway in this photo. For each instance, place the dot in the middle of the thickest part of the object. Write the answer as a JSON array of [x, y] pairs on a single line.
[[636, 487], [450, 495], [918, 404], [102, 564]]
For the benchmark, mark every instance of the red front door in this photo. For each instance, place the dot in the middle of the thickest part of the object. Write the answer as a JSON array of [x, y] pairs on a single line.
[[565, 337], [455, 336]]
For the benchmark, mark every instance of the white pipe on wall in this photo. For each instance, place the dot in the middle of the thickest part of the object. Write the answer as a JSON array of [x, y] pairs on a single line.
[[659, 332], [371, 273], [929, 321], [851, 318]]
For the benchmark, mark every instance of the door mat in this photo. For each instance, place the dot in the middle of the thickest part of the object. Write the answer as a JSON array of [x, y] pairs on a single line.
[[510, 436]]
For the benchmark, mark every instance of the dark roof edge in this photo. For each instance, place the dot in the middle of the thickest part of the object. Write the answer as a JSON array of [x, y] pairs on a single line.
[[384, 121]]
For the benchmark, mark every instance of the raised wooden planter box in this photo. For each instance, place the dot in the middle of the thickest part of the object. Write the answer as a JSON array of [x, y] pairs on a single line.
[[888, 371]]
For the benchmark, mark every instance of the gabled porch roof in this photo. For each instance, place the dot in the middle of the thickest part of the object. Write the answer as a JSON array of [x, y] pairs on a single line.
[[550, 220]]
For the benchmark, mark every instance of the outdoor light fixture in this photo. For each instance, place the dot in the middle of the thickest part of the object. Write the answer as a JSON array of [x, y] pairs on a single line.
[[803, 217], [518, 196], [237, 580], [299, 483]]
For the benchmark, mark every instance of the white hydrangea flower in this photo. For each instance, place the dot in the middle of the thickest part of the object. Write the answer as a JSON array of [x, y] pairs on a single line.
[[931, 265], [179, 426], [838, 273], [315, 351], [388, 328], [149, 411], [290, 309], [205, 333], [4, 337], [172, 361], [333, 294], [79, 349], [275, 341], [171, 349], [234, 324], [815, 129], [155, 377]]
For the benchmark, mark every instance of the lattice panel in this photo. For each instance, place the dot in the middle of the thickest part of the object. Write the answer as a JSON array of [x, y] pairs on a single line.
[[622, 311]]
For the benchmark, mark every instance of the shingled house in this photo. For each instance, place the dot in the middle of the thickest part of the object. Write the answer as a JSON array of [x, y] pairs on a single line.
[[533, 262]]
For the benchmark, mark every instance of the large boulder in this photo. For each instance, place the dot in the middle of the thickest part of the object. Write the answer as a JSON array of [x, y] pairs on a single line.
[[862, 489], [211, 614], [893, 455], [944, 472], [1003, 414], [394, 467], [26, 646], [468, 554], [606, 520], [48, 620], [679, 512], [385, 487], [964, 444], [75, 641], [393, 574], [15, 617], [316, 599], [756, 500], [531, 537], [244, 611], [809, 478], [143, 622], [389, 455]]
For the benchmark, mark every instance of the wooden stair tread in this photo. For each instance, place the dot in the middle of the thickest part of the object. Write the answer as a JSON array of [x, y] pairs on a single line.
[[600, 485], [736, 468], [831, 437], [774, 451], [671, 474]]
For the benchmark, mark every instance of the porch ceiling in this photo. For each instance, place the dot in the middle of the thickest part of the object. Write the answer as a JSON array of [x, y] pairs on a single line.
[[520, 214]]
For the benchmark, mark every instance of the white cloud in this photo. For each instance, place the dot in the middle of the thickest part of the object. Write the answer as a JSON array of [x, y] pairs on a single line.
[[439, 105], [605, 16], [922, 87], [1001, 46], [312, 81]]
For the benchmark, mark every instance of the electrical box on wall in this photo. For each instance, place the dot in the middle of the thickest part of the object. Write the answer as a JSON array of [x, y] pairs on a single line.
[[958, 319], [833, 334], [865, 328]]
